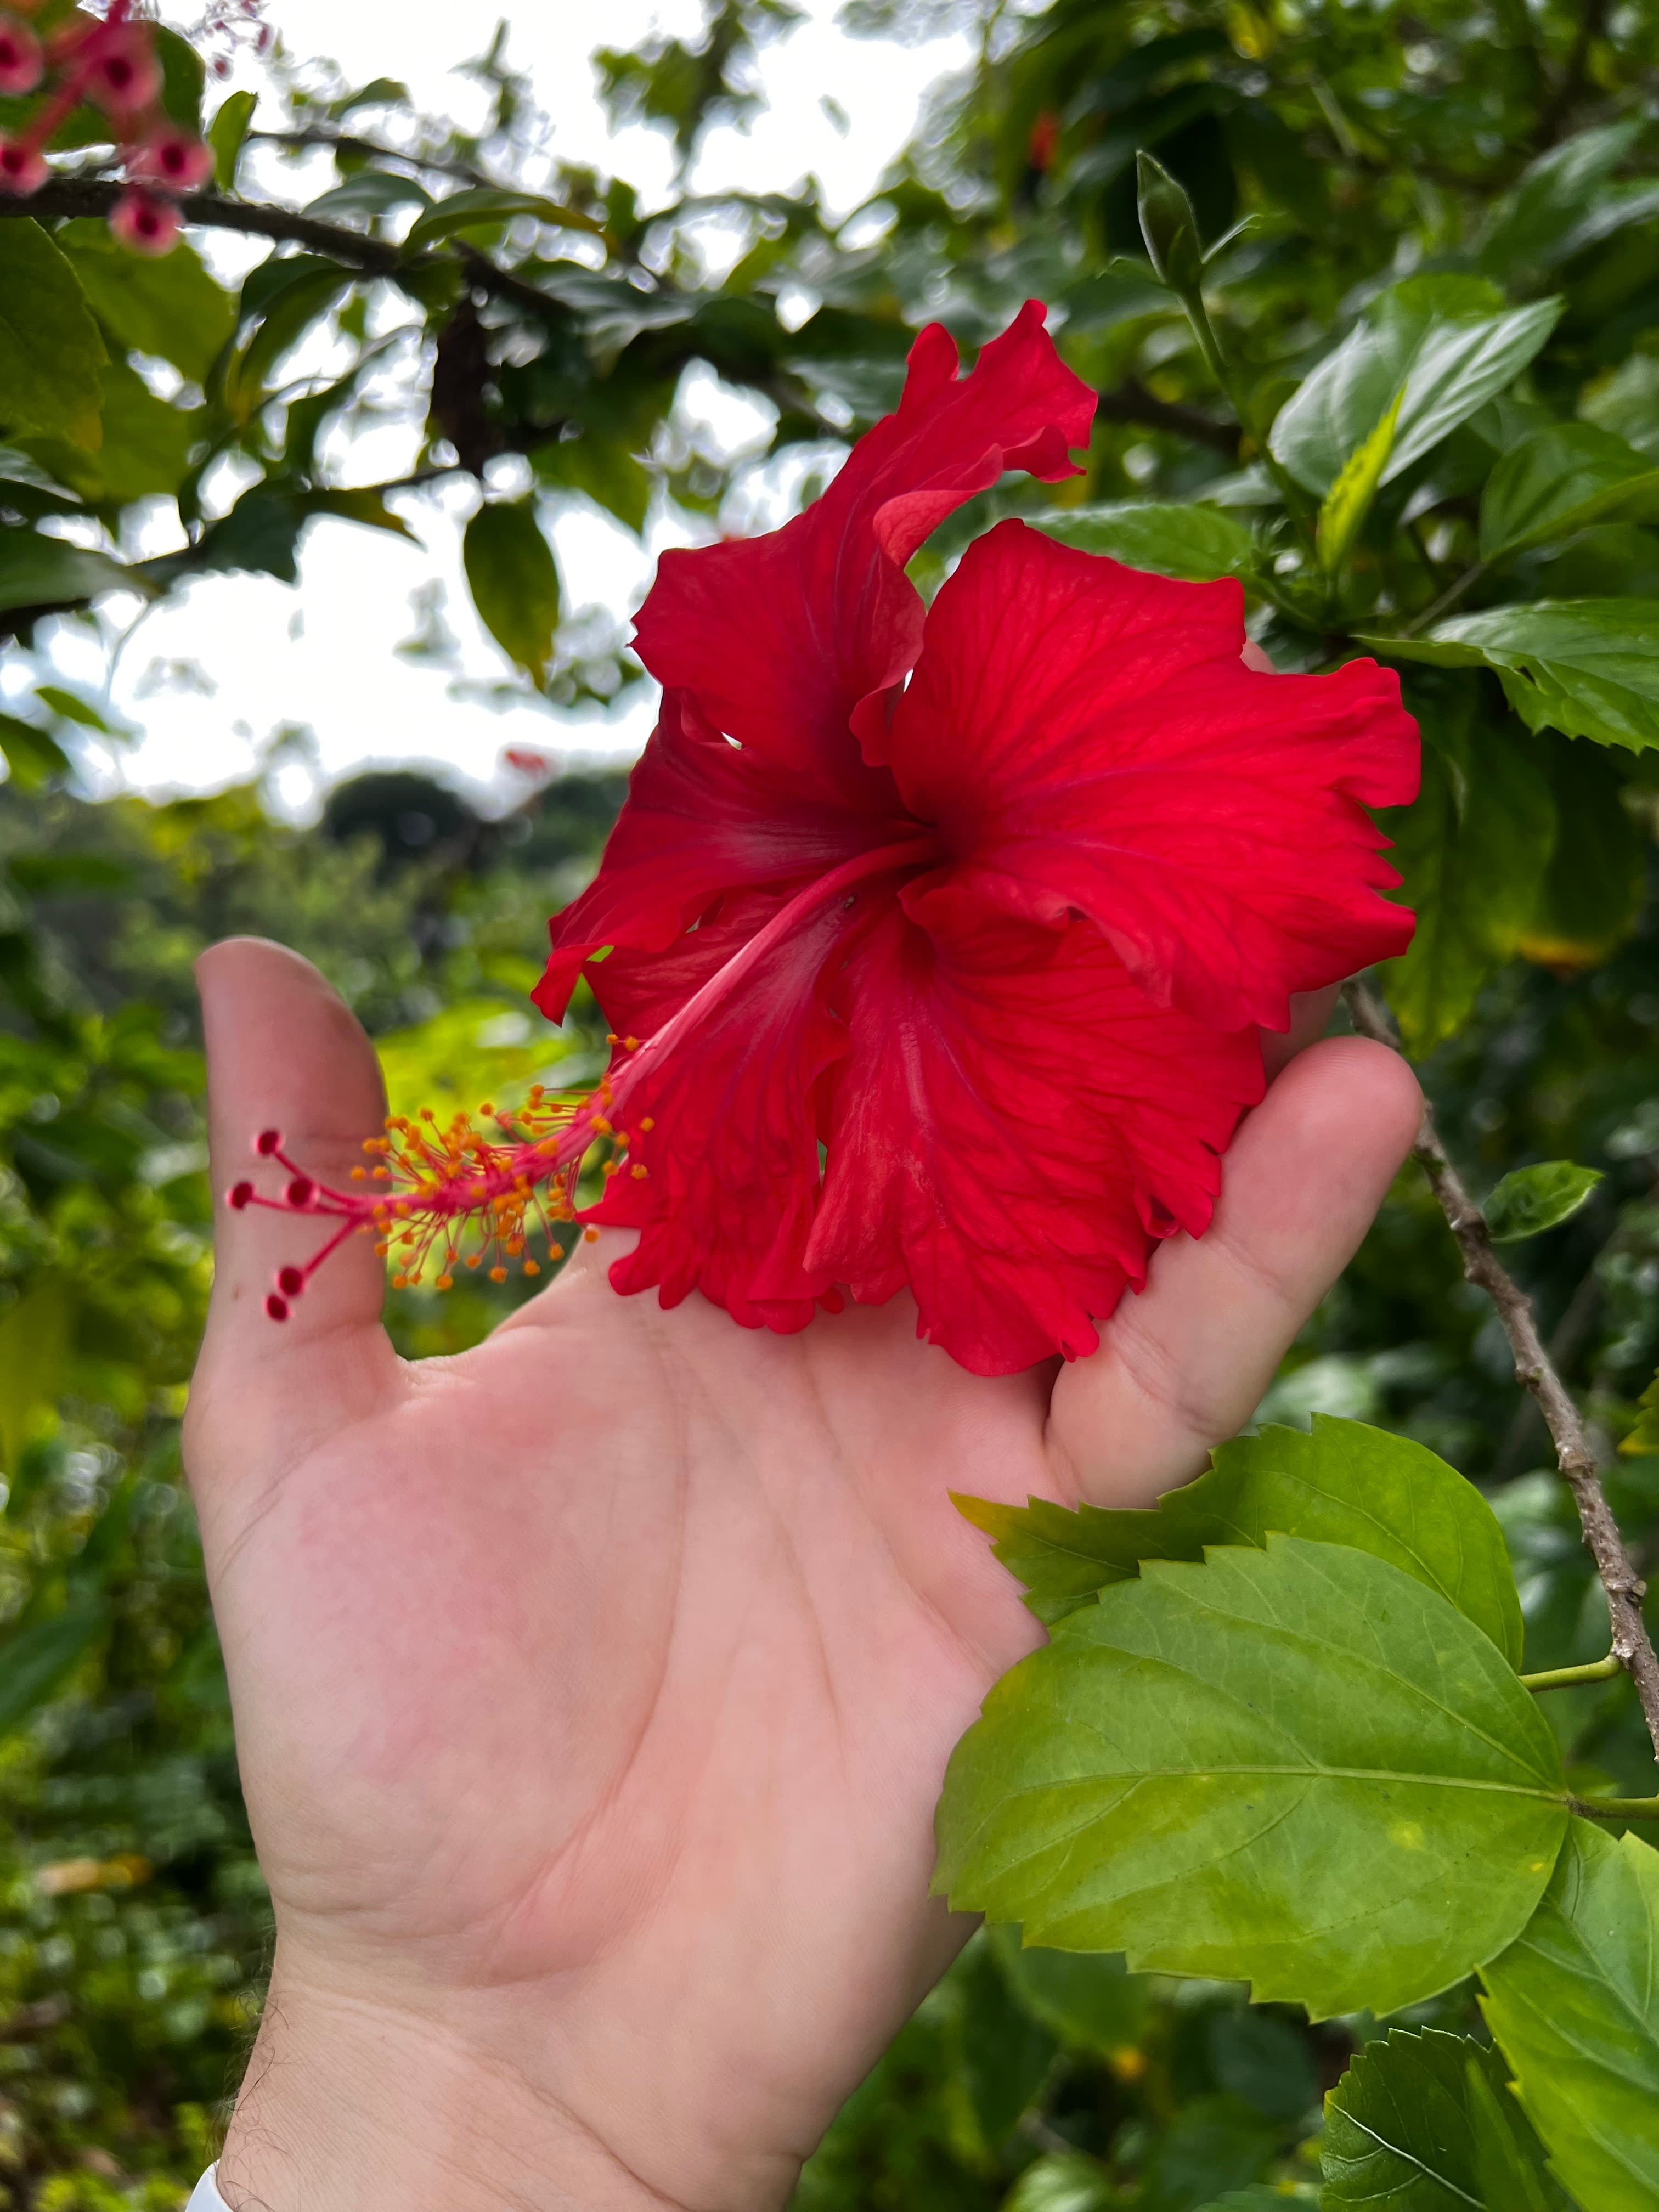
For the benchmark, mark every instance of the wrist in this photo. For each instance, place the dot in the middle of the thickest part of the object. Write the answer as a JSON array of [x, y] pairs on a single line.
[[350, 2106]]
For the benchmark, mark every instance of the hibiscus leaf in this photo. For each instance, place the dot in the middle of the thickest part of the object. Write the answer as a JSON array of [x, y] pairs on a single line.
[[37, 571], [1473, 848], [488, 206], [1344, 1483], [1298, 1766], [1407, 2126], [1587, 667], [515, 583], [1348, 502], [1422, 342], [1531, 1200], [1574, 2002], [1088, 1999], [1561, 480], [1064, 2181], [165, 304], [1193, 544], [49, 349]]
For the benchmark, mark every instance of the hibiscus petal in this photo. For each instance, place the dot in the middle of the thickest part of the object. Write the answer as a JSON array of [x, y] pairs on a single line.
[[732, 1162], [1015, 1125], [780, 637], [1089, 741], [703, 817]]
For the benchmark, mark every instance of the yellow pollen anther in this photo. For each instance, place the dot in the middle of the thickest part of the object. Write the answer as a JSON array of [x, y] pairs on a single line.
[[638, 1173], [589, 1237], [647, 1125], [498, 1274], [532, 1268]]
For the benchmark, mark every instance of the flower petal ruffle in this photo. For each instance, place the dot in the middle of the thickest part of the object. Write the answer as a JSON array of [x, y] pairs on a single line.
[[1089, 741], [781, 636], [1014, 1125]]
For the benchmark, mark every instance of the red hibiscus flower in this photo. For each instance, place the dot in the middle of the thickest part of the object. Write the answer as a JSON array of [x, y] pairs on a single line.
[[1009, 926], [936, 940]]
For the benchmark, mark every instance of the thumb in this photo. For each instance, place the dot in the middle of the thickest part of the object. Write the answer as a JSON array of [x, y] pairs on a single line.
[[284, 1052]]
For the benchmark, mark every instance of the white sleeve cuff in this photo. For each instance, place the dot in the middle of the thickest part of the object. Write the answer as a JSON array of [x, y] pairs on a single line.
[[205, 2197]]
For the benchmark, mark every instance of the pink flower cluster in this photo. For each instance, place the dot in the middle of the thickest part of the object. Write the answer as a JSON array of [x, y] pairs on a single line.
[[108, 63]]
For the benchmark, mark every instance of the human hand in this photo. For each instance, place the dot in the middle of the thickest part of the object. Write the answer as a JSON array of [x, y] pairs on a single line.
[[594, 1689]]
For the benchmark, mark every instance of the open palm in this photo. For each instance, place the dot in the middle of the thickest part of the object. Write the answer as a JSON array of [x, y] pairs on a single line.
[[594, 1689]]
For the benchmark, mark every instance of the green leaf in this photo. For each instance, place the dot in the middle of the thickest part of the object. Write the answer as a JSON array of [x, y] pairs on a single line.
[[34, 1348], [1194, 544], [1212, 2144], [165, 304], [1088, 1999], [1587, 667], [1644, 1439], [50, 350], [1399, 2129], [1590, 894], [261, 533], [183, 74], [1265, 2060], [1444, 367], [1528, 1201], [146, 447], [1509, 2159], [515, 583], [1530, 227], [1348, 502], [1473, 847], [1344, 1483], [226, 134], [1065, 2181], [1575, 2003], [1298, 1766], [1003, 2053], [604, 470], [1260, 2196], [371, 192], [1561, 480], [37, 571], [34, 1660], [486, 204], [32, 756]]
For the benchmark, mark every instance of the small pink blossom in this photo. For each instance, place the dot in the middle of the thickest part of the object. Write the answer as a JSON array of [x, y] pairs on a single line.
[[121, 73], [22, 62], [172, 158], [145, 222], [22, 169]]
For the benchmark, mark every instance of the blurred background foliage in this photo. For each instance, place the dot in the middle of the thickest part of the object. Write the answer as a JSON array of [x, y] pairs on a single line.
[[537, 322]]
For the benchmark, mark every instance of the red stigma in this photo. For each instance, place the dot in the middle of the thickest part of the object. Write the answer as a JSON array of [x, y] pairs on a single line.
[[267, 1142], [300, 1191], [276, 1308], [238, 1195], [290, 1281]]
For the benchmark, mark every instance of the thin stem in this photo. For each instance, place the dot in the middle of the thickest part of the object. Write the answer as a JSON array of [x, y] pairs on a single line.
[[1567, 1677], [1536, 1371], [1294, 499], [1453, 593], [1616, 1809]]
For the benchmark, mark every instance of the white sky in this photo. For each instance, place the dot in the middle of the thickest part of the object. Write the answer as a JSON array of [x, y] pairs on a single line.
[[259, 655]]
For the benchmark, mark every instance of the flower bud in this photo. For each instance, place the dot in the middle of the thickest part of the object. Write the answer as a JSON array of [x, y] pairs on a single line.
[[22, 167], [1169, 225], [173, 158], [22, 61], [143, 222], [121, 73]]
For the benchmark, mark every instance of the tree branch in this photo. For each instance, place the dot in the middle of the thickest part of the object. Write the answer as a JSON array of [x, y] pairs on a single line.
[[1536, 1372], [344, 141], [374, 257], [1131, 402]]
